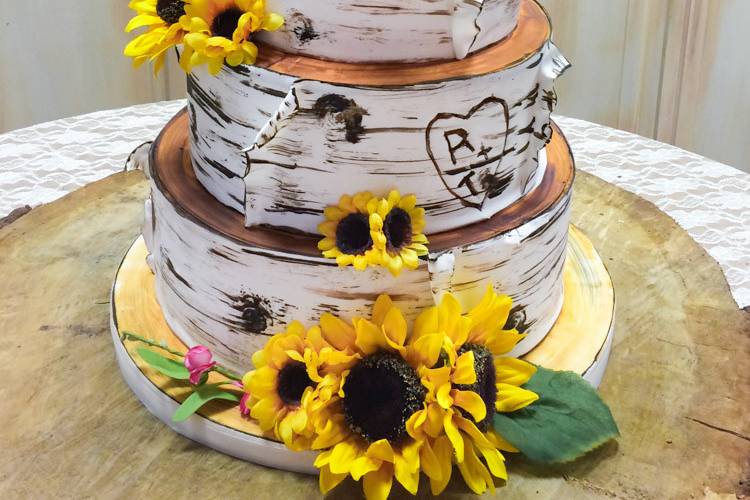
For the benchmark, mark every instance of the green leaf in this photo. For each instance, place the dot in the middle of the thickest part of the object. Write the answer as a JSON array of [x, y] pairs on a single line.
[[167, 366], [202, 395], [568, 420]]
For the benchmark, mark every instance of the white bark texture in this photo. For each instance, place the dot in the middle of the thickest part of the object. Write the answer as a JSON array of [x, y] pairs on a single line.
[[467, 148], [390, 30]]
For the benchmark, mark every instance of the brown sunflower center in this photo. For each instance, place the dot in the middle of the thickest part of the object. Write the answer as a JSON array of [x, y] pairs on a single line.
[[353, 234], [225, 23], [397, 229], [381, 392], [484, 366], [170, 11], [292, 382]]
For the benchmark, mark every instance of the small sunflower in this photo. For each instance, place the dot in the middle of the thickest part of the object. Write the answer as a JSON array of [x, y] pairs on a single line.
[[162, 18], [399, 223], [364, 230], [296, 374], [348, 237], [468, 385], [221, 31]]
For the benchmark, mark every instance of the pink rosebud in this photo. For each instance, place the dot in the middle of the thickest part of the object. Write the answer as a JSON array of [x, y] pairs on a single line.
[[198, 361]]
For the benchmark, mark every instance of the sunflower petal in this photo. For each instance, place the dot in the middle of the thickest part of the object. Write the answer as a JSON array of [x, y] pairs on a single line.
[[455, 437], [408, 202], [408, 479], [395, 265], [443, 396], [369, 338], [444, 454], [511, 398], [272, 21], [449, 317], [425, 350], [503, 341], [410, 258], [471, 402], [342, 456], [495, 462], [377, 484], [472, 431], [426, 323], [328, 480], [513, 371], [337, 332], [464, 372], [499, 442], [380, 309], [142, 20], [394, 328], [429, 461], [364, 465], [475, 474]]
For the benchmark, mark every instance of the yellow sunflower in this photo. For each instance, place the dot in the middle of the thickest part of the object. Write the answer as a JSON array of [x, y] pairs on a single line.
[[220, 31], [381, 404], [164, 31], [347, 234], [364, 434], [470, 383], [296, 374], [398, 224]]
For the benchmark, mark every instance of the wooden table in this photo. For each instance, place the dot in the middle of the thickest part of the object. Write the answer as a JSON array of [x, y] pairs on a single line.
[[677, 382]]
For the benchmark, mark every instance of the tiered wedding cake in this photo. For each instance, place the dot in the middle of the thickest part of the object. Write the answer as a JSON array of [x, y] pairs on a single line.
[[355, 229], [275, 144]]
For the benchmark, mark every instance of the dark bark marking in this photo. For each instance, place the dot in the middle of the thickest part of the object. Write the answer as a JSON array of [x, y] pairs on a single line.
[[517, 320], [177, 275], [303, 28], [207, 103], [254, 311], [495, 185], [345, 111]]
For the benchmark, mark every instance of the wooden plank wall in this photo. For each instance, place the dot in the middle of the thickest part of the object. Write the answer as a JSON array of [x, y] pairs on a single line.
[[675, 70], [64, 57]]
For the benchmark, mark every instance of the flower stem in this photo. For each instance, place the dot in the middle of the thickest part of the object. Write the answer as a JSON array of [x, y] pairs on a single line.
[[132, 336], [125, 335], [227, 373]]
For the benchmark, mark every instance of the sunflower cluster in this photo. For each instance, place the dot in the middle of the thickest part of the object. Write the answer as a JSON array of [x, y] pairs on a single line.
[[212, 31], [381, 402], [363, 230]]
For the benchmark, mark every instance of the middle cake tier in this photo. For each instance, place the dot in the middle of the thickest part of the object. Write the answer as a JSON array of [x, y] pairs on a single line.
[[280, 141], [229, 287]]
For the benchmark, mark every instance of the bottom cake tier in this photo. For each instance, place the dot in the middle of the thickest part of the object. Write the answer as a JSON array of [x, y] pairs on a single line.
[[229, 287], [579, 341]]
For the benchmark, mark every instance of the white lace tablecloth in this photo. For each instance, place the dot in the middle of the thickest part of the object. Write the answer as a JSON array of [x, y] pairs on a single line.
[[711, 201]]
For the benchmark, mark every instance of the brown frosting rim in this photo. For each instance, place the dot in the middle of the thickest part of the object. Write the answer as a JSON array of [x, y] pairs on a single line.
[[172, 172]]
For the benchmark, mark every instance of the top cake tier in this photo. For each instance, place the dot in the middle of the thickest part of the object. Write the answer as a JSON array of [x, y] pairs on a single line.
[[390, 30]]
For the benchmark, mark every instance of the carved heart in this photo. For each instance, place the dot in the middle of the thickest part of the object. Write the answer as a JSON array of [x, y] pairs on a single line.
[[467, 149]]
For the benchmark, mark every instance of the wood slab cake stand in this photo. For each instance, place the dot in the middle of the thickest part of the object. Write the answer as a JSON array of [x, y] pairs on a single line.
[[71, 427]]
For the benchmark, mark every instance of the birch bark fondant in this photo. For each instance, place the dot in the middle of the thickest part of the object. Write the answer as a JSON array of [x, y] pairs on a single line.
[[223, 286], [467, 148], [390, 30]]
